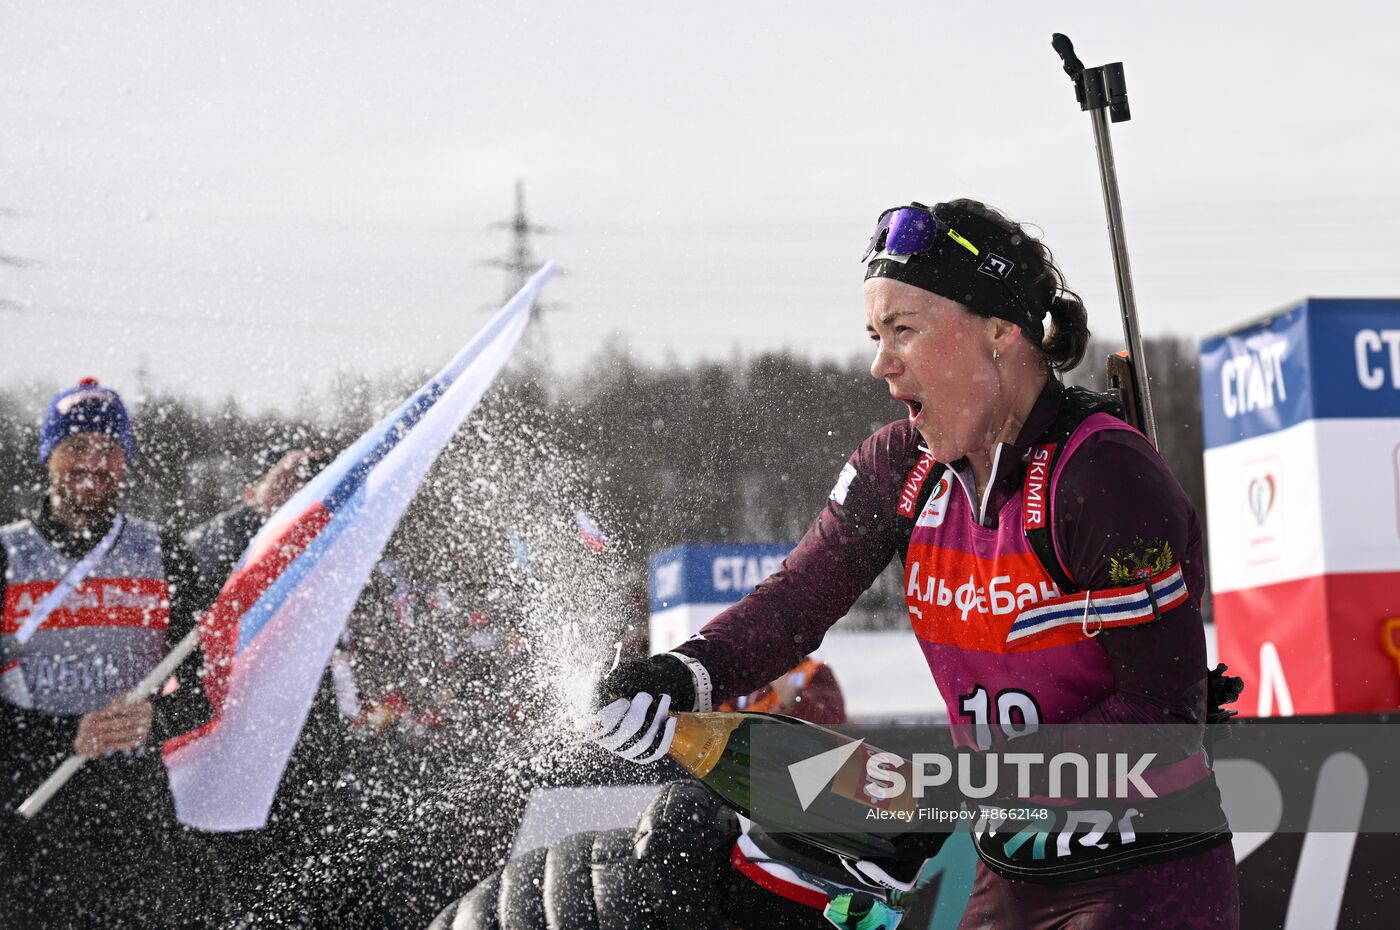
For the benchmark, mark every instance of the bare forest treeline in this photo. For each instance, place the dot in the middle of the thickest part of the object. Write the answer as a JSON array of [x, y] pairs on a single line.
[[735, 450]]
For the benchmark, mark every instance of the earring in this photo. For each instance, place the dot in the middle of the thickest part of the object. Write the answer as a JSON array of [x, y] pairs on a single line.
[[996, 355]]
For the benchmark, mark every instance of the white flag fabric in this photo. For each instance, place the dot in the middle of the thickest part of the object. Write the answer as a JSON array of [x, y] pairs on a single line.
[[273, 627]]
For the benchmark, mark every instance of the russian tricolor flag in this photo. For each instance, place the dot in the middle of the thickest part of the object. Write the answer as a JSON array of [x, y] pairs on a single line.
[[589, 533], [269, 634]]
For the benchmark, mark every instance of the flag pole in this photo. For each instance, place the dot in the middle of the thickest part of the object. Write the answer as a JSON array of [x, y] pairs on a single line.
[[148, 686]]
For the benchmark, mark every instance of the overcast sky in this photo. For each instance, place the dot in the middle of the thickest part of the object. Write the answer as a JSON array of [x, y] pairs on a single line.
[[251, 197]]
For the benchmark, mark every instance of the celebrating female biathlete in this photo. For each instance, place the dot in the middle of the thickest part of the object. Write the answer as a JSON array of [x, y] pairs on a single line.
[[1053, 574]]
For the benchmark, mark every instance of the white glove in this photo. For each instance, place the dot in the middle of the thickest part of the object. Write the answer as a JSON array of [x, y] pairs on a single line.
[[639, 730]]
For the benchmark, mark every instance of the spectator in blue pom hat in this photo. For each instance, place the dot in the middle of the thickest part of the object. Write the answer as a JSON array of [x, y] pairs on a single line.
[[92, 600]]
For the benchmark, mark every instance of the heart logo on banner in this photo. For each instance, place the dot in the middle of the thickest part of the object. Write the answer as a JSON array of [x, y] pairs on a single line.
[[1261, 497]]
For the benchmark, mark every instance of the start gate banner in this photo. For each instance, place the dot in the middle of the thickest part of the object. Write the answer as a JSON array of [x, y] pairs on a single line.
[[691, 583], [1301, 415]]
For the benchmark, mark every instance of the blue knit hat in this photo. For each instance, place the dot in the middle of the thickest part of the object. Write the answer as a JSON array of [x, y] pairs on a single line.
[[87, 407]]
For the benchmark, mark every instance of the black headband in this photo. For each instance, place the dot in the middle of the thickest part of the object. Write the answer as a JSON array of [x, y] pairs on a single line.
[[1001, 280]]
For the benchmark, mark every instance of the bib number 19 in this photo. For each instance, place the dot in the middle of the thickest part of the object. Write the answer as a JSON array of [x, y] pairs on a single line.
[[1016, 713]]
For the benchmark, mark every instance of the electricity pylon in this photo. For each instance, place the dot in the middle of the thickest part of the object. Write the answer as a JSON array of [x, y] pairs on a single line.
[[519, 263]]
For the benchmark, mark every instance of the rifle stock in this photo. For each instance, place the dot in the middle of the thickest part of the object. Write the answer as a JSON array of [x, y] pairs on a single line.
[[1122, 381]]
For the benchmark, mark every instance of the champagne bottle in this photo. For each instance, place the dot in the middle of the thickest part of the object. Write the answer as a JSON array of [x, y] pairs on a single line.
[[745, 759]]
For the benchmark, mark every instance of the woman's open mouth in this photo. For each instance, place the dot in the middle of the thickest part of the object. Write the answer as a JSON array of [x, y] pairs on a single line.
[[914, 407]]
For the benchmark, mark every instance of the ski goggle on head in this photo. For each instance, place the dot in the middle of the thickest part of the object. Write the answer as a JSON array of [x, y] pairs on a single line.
[[911, 230], [980, 270]]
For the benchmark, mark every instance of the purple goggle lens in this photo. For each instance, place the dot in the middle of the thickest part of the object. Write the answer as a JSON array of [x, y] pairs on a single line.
[[905, 231]]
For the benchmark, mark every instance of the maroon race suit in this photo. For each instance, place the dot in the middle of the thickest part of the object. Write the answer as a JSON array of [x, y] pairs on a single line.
[[1117, 516]]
